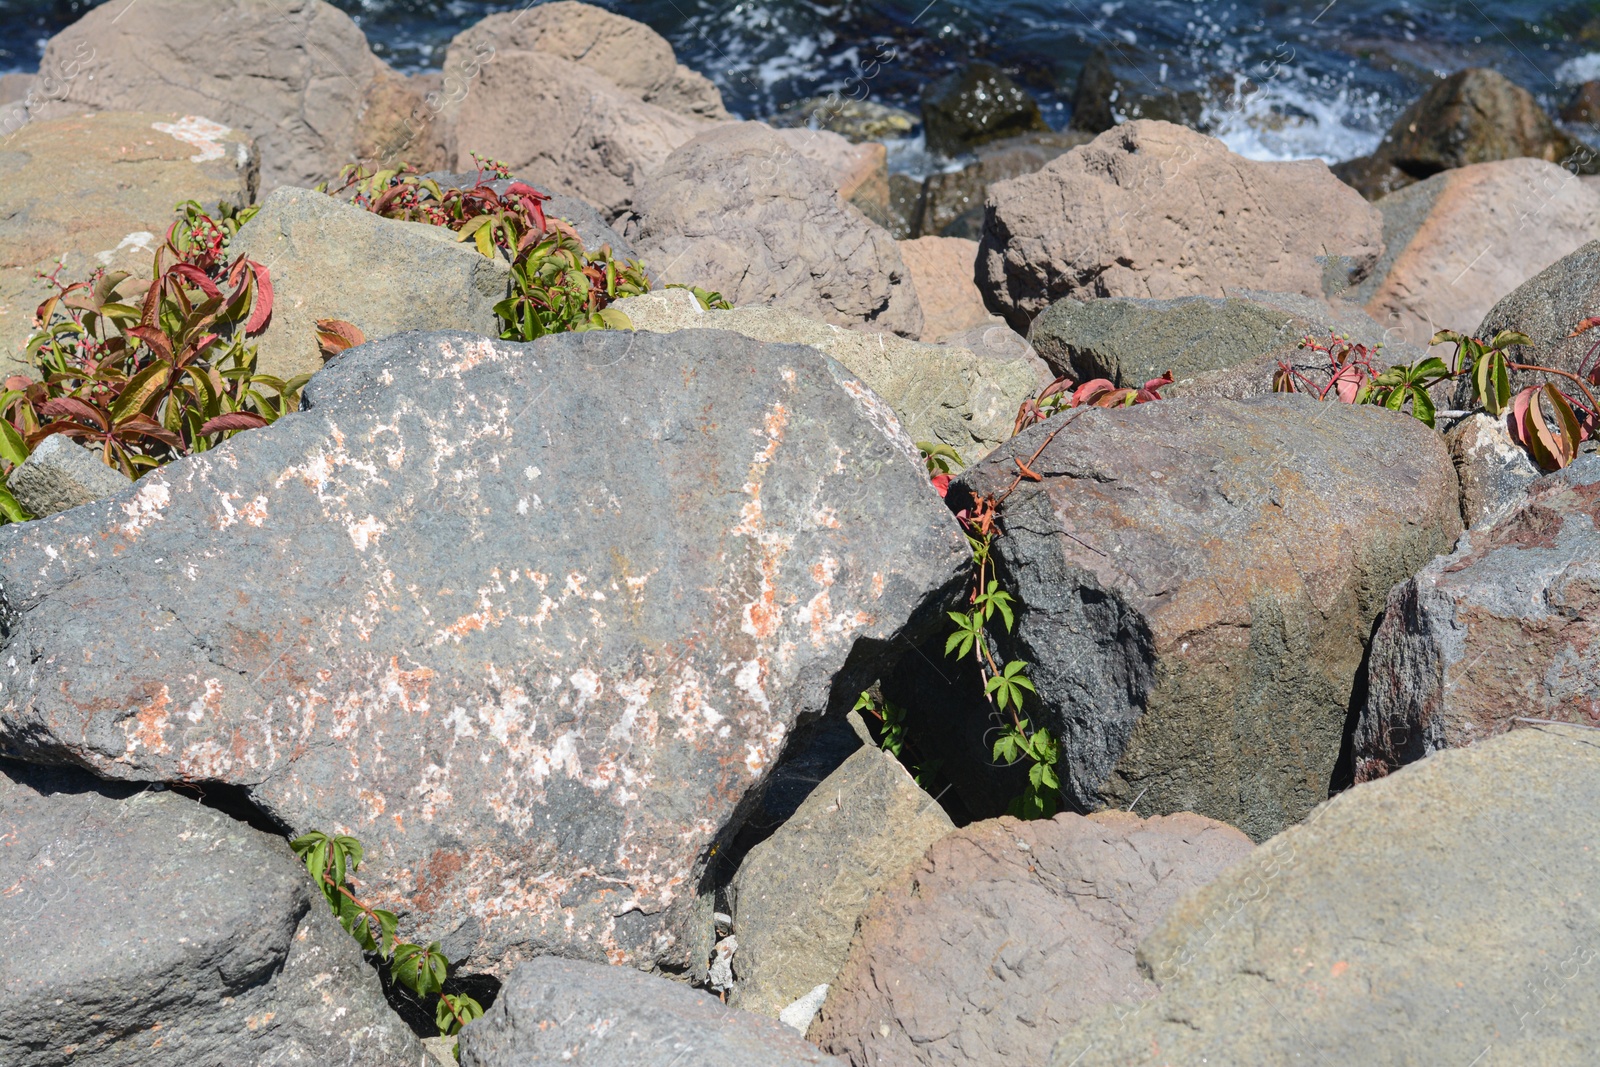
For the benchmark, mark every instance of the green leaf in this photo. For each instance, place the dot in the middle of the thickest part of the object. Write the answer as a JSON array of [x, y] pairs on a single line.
[[10, 510], [140, 390], [1422, 406], [13, 449]]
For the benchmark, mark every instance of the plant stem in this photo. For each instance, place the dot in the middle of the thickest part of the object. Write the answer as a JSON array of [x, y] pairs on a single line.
[[1565, 374]]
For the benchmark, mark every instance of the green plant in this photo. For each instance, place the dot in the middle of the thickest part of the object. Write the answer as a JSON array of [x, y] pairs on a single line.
[[423, 969], [1041, 797], [1064, 393], [893, 738], [710, 300], [148, 371]]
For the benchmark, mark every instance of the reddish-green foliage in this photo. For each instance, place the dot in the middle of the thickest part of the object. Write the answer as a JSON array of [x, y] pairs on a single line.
[[1064, 393]]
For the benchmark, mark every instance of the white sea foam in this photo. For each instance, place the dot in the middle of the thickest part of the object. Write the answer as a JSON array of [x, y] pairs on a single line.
[[1579, 69]]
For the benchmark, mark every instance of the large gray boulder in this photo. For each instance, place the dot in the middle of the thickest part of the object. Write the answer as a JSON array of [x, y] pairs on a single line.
[[1504, 627], [1150, 209], [741, 211], [798, 894], [950, 394], [1214, 346], [1196, 583], [332, 260], [1443, 915], [296, 75], [142, 929], [1007, 932], [591, 1015], [61, 474], [1548, 306], [447, 608]]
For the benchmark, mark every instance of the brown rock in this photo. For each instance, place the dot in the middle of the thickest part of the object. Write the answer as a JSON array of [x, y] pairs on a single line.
[[941, 268], [1476, 233], [1150, 209], [130, 171], [860, 172], [293, 74], [398, 125], [952, 202], [629, 54], [1584, 107], [1006, 932], [1506, 626], [1547, 308], [738, 210], [1473, 116]]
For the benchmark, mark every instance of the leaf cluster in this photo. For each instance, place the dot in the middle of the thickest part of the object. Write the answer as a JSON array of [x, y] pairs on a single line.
[[1040, 798], [1064, 393]]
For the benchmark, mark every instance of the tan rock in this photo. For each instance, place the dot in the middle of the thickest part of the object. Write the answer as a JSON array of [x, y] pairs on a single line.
[[941, 268], [133, 174], [293, 74], [1150, 209], [1484, 230], [860, 171], [629, 54], [565, 129]]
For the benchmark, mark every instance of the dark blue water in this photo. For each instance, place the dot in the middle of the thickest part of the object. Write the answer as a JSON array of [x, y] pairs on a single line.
[[1331, 76]]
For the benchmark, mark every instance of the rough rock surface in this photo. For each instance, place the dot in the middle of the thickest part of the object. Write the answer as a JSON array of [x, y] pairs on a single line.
[[1505, 626], [1213, 346], [859, 172], [977, 104], [1426, 918], [1007, 932], [565, 1011], [941, 269], [1495, 472], [61, 474], [1150, 209], [1196, 584], [293, 74], [629, 54], [50, 170], [951, 202], [1001, 342], [1549, 305], [1473, 116], [463, 622], [798, 894], [945, 393], [330, 260], [142, 928], [566, 129], [1436, 274], [738, 210]]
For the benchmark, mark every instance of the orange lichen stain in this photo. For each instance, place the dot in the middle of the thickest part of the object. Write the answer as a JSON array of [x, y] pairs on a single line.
[[1339, 968], [147, 728], [877, 585]]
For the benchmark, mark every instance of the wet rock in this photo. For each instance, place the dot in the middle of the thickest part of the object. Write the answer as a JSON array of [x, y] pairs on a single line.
[[1007, 932], [141, 928], [941, 268], [565, 1011], [536, 677], [1435, 273], [952, 202], [330, 260], [978, 104], [1197, 581], [1111, 89], [905, 194], [1549, 305], [944, 393], [1213, 346], [1473, 116], [62, 474], [51, 169], [799, 893], [1495, 472], [294, 75], [630, 55], [858, 120], [1421, 919], [1584, 107], [740, 211], [1150, 209], [1503, 627]]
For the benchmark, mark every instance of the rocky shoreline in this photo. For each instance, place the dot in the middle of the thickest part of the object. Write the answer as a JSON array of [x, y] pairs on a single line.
[[633, 586]]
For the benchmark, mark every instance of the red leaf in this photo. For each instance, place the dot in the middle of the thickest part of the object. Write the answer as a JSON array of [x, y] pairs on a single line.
[[941, 483], [1585, 326], [238, 420], [336, 335], [142, 425], [262, 311], [197, 278], [1091, 390], [152, 336]]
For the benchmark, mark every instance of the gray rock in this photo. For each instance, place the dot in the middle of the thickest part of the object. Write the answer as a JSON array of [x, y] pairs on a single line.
[[740, 211], [1196, 584], [798, 894], [61, 474], [1007, 932], [330, 260], [1503, 627], [977, 104], [1548, 307], [565, 1011], [1115, 86], [1213, 346], [1150, 209], [945, 393], [296, 75], [1003, 343], [1442, 915], [141, 928], [1495, 472], [537, 677]]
